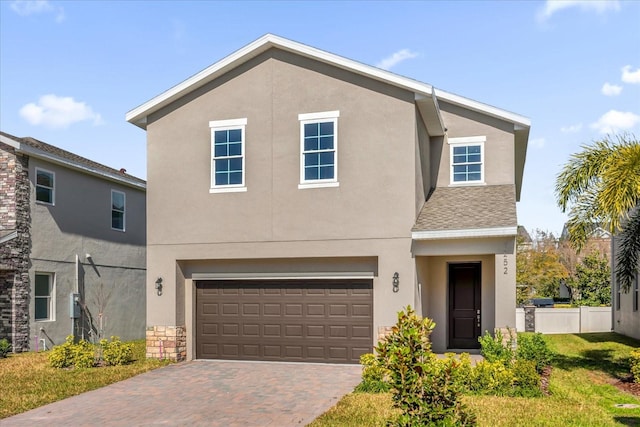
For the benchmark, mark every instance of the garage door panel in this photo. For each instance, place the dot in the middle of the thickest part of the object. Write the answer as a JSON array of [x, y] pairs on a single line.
[[314, 321]]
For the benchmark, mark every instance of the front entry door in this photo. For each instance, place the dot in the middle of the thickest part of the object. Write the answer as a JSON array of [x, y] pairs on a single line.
[[464, 305]]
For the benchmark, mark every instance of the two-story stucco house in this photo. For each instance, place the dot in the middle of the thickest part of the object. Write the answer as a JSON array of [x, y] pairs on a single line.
[[298, 200], [72, 247]]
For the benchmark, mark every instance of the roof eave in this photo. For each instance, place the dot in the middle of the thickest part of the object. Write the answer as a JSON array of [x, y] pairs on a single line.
[[138, 116], [43, 155]]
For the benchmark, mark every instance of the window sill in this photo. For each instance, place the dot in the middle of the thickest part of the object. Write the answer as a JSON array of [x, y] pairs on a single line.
[[468, 184], [307, 185], [44, 320], [118, 229], [40, 202], [228, 190]]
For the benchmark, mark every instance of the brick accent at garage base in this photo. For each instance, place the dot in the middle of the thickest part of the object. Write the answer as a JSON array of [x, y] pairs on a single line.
[[167, 342]]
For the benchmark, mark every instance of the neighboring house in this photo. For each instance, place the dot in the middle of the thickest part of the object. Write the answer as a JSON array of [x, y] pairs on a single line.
[[72, 247], [298, 200], [524, 240], [625, 315]]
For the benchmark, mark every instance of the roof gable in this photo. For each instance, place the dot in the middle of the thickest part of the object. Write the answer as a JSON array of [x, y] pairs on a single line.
[[422, 91]]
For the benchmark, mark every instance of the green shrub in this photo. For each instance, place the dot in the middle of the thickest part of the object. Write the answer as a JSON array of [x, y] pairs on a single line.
[[534, 348], [526, 379], [422, 387], [116, 352], [493, 349], [492, 378], [461, 369], [80, 355], [5, 348], [635, 365], [374, 376]]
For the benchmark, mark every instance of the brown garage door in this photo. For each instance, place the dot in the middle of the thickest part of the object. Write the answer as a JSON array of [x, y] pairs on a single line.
[[328, 321]]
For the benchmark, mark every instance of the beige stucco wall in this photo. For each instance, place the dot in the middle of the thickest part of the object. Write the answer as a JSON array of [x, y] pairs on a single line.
[[78, 224], [370, 214], [499, 148]]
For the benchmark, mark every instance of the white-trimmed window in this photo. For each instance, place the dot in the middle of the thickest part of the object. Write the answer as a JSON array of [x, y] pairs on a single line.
[[227, 155], [319, 149], [44, 297], [118, 210], [467, 160], [45, 186]]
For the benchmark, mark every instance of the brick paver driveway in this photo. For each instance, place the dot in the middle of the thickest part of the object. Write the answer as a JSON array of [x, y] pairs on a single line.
[[205, 393]]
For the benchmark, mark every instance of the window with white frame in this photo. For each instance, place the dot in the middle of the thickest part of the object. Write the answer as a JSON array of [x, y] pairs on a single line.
[[45, 186], [319, 149], [118, 210], [44, 301], [467, 160], [227, 155]]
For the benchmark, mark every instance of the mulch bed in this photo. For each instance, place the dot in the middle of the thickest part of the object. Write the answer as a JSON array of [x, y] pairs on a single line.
[[544, 380], [627, 385]]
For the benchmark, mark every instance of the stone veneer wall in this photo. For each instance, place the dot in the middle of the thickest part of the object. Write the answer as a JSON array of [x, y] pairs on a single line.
[[167, 342], [15, 215]]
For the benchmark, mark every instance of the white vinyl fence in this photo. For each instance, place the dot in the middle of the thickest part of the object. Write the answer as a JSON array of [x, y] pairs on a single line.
[[568, 320]]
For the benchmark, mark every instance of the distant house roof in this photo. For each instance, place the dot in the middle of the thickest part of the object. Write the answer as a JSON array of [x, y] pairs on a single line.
[[42, 150], [524, 234], [426, 96], [467, 211], [596, 232]]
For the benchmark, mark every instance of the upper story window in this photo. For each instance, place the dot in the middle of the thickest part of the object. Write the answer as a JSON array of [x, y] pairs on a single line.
[[319, 149], [45, 186], [44, 301], [227, 155], [467, 160], [118, 209]]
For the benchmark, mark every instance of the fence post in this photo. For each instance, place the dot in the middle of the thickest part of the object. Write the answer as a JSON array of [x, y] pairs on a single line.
[[529, 318]]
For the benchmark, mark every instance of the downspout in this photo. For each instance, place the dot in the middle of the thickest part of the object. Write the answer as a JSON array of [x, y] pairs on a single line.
[[73, 320]]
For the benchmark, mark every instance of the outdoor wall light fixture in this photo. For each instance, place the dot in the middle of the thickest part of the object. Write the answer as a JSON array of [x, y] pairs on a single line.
[[159, 286], [396, 282]]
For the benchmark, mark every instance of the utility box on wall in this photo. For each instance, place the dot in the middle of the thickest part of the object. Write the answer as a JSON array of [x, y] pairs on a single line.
[[74, 305]]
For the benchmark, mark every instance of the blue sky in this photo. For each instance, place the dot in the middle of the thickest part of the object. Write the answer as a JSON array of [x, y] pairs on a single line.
[[69, 71]]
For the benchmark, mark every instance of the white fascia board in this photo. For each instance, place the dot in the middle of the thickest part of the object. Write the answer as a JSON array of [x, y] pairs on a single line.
[[80, 167], [464, 234], [518, 120], [10, 142], [138, 115], [8, 237]]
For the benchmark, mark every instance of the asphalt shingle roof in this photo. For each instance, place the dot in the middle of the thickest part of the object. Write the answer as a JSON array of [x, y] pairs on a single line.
[[67, 155], [468, 207]]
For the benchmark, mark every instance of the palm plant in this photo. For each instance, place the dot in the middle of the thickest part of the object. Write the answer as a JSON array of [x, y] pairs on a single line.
[[601, 186]]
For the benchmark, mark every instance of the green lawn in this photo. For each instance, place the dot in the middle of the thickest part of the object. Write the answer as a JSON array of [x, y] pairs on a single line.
[[27, 381], [581, 391]]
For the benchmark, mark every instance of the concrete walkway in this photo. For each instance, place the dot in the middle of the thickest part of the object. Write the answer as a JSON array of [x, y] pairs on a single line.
[[205, 393]]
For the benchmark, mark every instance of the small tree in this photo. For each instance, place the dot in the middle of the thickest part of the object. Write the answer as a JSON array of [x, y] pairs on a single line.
[[591, 285]]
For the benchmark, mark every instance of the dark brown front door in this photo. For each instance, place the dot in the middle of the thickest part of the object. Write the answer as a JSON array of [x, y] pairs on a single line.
[[464, 305], [329, 321]]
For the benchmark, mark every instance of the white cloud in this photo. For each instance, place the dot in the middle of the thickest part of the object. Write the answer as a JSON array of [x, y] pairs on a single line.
[[30, 7], [58, 112], [571, 128], [629, 76], [537, 142], [598, 6], [611, 90], [614, 121], [397, 57]]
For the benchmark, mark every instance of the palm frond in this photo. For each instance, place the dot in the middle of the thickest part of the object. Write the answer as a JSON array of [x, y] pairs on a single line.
[[627, 261]]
